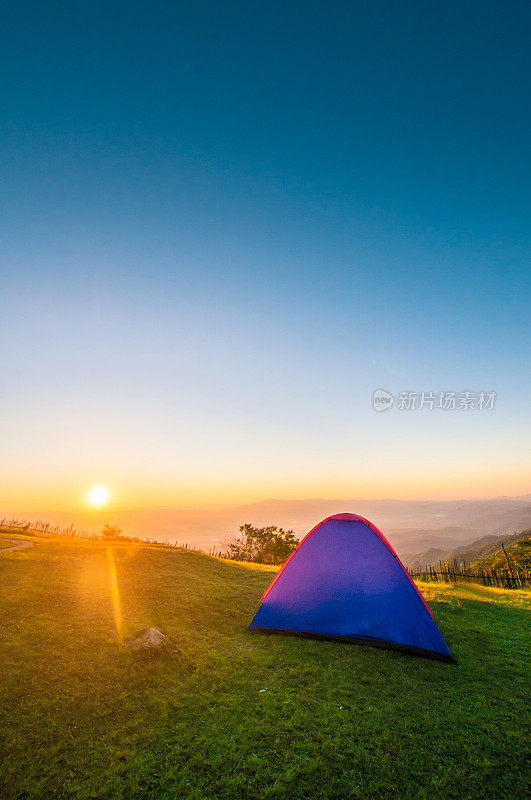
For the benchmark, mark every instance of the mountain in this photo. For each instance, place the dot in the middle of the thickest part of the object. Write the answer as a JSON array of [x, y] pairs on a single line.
[[518, 549], [481, 550], [412, 526]]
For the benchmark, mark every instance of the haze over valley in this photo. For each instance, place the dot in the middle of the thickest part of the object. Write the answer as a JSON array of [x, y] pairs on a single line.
[[417, 529]]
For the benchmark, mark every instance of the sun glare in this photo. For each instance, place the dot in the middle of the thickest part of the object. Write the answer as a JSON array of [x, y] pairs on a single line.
[[98, 495]]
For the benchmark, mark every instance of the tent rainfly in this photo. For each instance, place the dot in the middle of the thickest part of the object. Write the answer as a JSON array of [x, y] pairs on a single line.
[[345, 582]]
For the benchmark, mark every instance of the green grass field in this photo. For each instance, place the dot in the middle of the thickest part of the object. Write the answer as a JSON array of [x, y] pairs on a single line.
[[225, 714]]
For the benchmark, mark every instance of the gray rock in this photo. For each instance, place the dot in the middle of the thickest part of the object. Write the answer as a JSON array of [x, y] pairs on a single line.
[[149, 638]]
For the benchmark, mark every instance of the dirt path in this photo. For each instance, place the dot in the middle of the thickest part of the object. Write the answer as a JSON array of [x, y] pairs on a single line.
[[18, 543]]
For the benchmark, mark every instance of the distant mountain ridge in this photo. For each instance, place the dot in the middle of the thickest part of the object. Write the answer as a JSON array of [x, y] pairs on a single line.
[[467, 554], [412, 526]]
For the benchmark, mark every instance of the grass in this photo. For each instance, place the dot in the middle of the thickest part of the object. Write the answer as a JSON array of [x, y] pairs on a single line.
[[226, 714]]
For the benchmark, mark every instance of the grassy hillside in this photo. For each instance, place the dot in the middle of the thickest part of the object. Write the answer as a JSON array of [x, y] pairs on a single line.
[[226, 714], [518, 549], [483, 553]]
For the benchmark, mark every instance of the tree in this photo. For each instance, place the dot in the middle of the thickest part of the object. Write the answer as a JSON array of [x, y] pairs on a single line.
[[269, 545], [111, 532]]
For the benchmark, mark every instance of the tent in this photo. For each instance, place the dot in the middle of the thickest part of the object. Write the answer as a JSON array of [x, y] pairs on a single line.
[[345, 582]]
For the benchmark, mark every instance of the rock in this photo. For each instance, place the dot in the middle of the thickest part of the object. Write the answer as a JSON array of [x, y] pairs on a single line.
[[148, 639]]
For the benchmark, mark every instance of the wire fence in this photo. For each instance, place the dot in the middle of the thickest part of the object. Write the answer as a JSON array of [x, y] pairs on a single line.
[[40, 527], [511, 578]]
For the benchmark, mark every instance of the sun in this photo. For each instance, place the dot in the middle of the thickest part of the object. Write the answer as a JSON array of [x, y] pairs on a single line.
[[98, 495]]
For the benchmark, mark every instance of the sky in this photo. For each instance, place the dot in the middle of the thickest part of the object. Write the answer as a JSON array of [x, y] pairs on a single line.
[[225, 225]]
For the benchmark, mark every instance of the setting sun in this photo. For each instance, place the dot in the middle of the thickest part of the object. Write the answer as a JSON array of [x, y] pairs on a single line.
[[98, 495]]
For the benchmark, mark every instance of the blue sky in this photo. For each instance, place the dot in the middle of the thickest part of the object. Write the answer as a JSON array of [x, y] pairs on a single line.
[[225, 224]]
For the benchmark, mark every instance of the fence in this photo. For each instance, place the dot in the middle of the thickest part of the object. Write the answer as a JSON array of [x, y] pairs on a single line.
[[510, 578], [23, 526]]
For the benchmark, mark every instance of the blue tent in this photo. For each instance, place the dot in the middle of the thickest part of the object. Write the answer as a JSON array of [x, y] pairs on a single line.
[[344, 581]]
